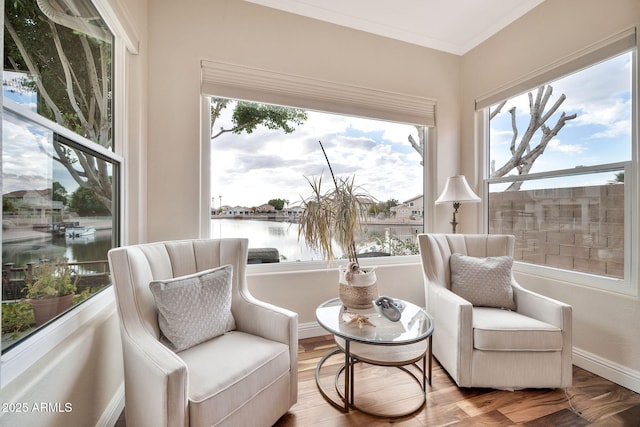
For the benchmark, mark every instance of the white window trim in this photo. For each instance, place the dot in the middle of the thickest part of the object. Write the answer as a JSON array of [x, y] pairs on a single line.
[[630, 285], [36, 118], [20, 358], [283, 267]]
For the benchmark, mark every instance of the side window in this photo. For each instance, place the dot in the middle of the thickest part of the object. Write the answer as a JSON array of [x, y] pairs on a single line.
[[59, 173], [558, 157], [259, 176]]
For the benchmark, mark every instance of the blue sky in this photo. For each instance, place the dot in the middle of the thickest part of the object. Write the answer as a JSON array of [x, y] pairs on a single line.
[[601, 132]]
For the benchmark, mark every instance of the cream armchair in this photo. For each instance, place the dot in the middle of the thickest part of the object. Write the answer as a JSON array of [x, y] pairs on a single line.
[[246, 377], [492, 347]]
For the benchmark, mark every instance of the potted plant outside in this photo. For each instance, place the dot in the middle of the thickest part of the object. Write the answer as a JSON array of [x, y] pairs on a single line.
[[337, 215], [50, 290]]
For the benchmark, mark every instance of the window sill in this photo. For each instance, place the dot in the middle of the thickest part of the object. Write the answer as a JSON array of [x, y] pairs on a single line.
[[17, 360], [619, 286], [296, 267]]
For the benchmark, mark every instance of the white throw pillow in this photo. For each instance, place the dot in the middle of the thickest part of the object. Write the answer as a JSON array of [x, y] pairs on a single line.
[[194, 308], [484, 282]]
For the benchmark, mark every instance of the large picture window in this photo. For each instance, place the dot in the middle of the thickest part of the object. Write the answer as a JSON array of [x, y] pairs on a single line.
[[59, 172], [558, 157], [260, 176]]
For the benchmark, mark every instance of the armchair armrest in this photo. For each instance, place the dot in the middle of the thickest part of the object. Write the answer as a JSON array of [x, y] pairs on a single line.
[[156, 383], [553, 312], [453, 331], [541, 307], [266, 320], [273, 323]]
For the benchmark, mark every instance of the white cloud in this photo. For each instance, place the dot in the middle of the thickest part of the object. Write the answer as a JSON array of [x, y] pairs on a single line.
[[556, 145], [250, 169]]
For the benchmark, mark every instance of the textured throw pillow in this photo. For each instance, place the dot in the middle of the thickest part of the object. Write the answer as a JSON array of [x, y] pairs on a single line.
[[484, 282], [194, 308]]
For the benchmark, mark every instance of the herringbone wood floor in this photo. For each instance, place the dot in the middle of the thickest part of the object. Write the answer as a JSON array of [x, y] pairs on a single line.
[[591, 401]]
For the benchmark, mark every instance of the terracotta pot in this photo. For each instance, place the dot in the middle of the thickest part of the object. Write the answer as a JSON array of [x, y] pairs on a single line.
[[47, 308], [360, 291]]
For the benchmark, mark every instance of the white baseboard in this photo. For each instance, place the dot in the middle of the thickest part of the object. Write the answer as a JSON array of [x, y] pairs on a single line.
[[612, 371], [113, 410], [310, 330]]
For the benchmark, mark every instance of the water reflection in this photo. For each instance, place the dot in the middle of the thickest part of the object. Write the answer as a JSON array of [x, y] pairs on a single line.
[[54, 248]]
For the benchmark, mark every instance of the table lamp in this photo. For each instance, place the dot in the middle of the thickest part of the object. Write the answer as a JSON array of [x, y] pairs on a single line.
[[457, 190]]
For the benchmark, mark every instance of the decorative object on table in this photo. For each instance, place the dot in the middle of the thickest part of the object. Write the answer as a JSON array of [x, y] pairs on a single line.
[[389, 308], [457, 190], [337, 215], [356, 319], [50, 290]]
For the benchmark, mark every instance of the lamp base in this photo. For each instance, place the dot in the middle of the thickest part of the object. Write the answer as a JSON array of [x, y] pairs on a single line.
[[454, 223]]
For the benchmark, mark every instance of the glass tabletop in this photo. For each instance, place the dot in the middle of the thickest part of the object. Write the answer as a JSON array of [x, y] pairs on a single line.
[[369, 326]]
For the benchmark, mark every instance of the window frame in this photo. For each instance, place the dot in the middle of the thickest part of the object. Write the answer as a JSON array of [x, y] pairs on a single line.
[[23, 355], [256, 85], [629, 284]]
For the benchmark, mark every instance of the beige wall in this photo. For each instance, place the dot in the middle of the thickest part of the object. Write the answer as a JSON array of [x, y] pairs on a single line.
[[80, 381], [606, 336], [184, 33]]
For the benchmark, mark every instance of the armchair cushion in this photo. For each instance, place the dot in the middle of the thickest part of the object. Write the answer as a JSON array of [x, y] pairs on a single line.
[[194, 308], [502, 330], [484, 282], [230, 370]]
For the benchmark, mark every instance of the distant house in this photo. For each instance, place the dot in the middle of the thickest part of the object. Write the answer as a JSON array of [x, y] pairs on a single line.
[[411, 208], [35, 202], [294, 211], [236, 210], [366, 203], [266, 208]]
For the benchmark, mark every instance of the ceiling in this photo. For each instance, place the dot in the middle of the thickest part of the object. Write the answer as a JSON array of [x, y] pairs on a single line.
[[454, 26]]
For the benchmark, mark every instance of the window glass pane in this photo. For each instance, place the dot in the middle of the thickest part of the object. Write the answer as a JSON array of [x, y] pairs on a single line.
[[49, 223], [596, 128], [574, 223], [59, 65], [59, 210], [259, 179], [560, 216]]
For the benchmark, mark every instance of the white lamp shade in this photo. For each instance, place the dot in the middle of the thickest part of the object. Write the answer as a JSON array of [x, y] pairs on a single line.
[[457, 190]]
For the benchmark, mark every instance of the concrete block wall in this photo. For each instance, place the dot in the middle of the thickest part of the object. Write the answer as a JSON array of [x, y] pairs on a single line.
[[575, 228]]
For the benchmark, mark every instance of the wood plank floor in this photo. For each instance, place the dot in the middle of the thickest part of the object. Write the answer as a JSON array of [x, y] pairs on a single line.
[[591, 401]]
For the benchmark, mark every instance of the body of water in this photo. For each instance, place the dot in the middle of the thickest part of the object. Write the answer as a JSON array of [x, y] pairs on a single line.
[[93, 248], [283, 236]]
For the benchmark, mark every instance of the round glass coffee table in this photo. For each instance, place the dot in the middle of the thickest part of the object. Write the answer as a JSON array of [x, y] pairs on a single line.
[[365, 336]]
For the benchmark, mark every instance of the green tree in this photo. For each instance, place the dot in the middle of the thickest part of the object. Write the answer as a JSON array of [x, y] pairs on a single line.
[[66, 60], [247, 116], [86, 203], [383, 207], [619, 178], [59, 193], [278, 203], [7, 205]]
